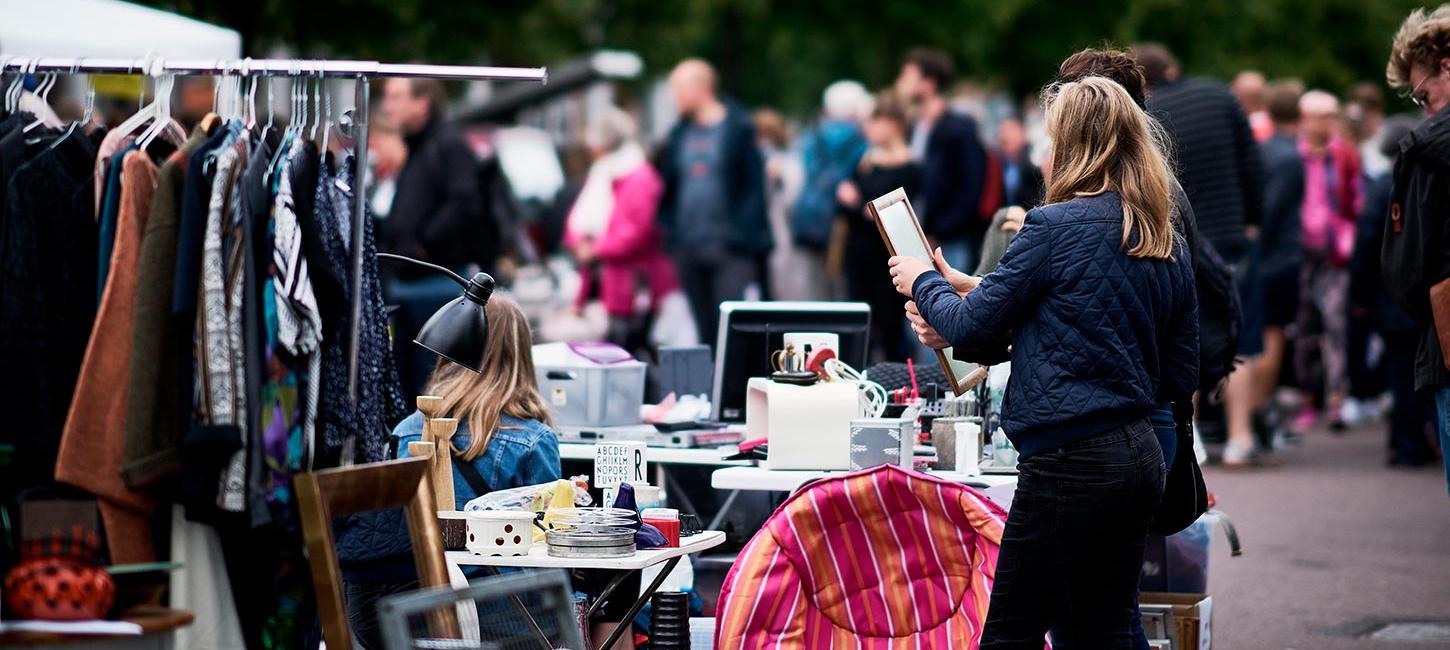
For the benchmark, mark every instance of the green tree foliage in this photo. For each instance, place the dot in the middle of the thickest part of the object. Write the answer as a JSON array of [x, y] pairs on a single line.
[[784, 52]]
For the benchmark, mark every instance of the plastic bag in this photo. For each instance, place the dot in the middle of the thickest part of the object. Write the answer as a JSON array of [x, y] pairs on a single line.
[[531, 497]]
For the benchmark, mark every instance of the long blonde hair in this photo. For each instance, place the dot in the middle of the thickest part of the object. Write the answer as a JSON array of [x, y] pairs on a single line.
[[505, 384], [1103, 142]]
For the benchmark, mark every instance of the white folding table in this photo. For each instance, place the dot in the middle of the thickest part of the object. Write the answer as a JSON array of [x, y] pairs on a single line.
[[538, 558], [789, 480]]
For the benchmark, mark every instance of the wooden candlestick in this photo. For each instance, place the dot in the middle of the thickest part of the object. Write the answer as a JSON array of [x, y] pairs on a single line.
[[431, 406], [443, 430]]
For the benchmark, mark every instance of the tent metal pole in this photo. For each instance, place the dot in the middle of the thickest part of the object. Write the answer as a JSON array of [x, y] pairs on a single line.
[[359, 215], [273, 67]]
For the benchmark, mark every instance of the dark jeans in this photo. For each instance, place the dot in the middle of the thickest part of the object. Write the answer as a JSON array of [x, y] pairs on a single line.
[[362, 610], [1409, 440], [1073, 546], [709, 282]]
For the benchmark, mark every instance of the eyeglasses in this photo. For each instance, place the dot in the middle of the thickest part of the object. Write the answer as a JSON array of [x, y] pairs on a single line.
[[1414, 95]]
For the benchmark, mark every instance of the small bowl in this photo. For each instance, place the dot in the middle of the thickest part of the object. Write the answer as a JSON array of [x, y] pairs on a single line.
[[500, 532], [453, 525]]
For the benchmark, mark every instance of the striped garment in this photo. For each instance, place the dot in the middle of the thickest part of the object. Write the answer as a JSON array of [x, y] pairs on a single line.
[[881, 558]]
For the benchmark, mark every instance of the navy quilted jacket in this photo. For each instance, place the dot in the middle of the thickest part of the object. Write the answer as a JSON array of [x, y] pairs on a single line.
[[1098, 338]]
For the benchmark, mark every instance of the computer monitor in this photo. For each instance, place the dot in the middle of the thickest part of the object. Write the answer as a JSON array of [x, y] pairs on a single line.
[[750, 331]]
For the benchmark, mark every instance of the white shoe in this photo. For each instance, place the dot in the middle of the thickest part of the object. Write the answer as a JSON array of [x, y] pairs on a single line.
[[1355, 412]]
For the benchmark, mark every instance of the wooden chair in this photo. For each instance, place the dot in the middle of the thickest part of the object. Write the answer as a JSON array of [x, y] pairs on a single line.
[[330, 493]]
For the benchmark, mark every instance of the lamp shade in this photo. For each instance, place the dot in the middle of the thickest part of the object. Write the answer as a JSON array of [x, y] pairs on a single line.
[[458, 331]]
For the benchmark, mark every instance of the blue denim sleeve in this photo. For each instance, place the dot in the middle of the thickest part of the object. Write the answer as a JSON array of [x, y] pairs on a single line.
[[403, 441], [1000, 303]]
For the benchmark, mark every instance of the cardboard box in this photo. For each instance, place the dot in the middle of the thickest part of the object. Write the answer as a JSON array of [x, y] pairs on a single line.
[[1191, 618]]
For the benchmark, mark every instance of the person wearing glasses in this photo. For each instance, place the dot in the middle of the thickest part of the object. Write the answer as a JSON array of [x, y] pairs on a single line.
[[1416, 250]]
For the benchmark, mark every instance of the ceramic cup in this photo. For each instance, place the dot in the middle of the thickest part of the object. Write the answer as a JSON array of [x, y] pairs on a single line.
[[453, 525], [500, 532], [645, 495]]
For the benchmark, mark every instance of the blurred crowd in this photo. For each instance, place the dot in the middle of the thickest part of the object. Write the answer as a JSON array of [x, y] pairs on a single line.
[[1289, 187]]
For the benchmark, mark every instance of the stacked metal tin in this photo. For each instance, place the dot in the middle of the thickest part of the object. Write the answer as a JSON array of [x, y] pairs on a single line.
[[591, 533]]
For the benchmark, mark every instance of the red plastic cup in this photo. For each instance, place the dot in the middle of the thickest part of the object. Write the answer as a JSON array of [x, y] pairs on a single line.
[[667, 520]]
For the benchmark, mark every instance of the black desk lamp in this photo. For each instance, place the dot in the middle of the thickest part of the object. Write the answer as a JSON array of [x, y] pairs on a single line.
[[458, 331]]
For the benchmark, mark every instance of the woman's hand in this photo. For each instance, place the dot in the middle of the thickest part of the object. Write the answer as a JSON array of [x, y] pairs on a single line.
[[905, 271], [848, 195], [924, 332], [961, 282], [1015, 216], [584, 251]]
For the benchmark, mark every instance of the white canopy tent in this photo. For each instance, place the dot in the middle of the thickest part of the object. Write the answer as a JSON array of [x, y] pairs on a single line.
[[108, 28]]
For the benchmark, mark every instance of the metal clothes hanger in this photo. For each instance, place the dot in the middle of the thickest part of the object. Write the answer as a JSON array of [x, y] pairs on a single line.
[[43, 92], [163, 112], [327, 128], [251, 96], [89, 108], [12, 92], [295, 120], [5, 102], [145, 111], [317, 107]]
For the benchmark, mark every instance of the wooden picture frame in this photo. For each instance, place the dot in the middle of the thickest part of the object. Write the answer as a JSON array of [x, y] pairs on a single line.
[[904, 236]]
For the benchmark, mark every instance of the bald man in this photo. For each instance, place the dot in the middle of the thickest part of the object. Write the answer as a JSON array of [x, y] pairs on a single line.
[[1248, 87], [713, 208]]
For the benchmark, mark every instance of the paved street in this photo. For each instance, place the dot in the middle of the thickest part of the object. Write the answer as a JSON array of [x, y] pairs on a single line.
[[1336, 544]]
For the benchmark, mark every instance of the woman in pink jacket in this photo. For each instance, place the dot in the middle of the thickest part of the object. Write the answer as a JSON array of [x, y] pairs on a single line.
[[611, 231]]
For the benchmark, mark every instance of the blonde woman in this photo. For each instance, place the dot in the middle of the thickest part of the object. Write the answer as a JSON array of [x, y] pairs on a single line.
[[503, 424], [1096, 297], [503, 441]]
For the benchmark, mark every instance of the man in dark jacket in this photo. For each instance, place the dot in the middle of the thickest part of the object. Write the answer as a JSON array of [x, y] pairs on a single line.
[[713, 208], [953, 160], [1409, 447], [1279, 234], [1416, 253], [1220, 169], [438, 213], [1023, 182], [437, 216]]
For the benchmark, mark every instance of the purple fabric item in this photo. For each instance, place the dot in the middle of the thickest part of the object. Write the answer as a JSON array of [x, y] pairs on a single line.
[[645, 535], [601, 353]]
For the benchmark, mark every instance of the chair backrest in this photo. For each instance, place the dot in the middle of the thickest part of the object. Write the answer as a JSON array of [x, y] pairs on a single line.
[[882, 554], [531, 609], [330, 493]]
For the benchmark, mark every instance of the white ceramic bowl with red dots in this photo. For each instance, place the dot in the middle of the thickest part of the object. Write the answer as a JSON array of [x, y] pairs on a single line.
[[500, 532]]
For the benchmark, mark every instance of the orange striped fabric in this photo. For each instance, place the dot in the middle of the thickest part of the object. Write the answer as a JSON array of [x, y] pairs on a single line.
[[881, 558]]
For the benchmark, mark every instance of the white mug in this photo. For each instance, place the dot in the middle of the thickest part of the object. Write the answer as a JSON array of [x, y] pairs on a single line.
[[817, 341]]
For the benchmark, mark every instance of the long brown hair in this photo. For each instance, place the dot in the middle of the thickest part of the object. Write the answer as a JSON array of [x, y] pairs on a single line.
[[1102, 142], [504, 385]]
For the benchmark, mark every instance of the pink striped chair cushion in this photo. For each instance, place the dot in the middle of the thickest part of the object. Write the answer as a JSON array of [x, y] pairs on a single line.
[[881, 558]]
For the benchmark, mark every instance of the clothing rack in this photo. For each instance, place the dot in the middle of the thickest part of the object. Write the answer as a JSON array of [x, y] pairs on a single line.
[[360, 71]]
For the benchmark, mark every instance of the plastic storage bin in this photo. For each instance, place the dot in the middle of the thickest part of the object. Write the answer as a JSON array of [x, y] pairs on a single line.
[[589, 385]]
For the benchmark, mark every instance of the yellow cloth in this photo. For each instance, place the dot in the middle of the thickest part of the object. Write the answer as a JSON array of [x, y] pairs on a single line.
[[559, 497]]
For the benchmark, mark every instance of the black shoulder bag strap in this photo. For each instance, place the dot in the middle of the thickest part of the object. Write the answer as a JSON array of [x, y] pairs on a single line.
[[471, 476]]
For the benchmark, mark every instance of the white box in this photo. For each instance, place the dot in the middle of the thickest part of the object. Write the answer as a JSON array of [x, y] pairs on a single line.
[[807, 427], [618, 462], [580, 392]]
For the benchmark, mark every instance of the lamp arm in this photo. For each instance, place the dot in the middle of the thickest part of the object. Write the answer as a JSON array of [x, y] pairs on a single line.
[[403, 258]]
